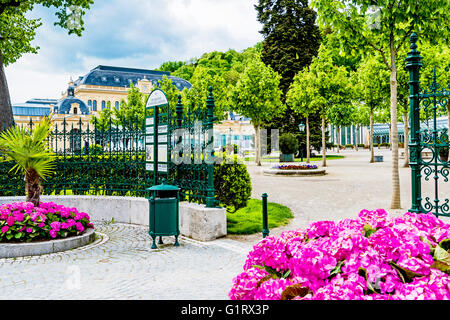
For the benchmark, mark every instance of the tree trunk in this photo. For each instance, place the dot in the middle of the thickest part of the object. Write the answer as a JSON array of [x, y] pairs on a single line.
[[371, 136], [307, 140], [355, 140], [395, 201], [33, 187], [338, 138], [406, 142], [258, 145], [324, 144], [6, 114]]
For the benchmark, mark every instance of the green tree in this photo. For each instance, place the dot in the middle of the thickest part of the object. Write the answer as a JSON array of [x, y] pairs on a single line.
[[131, 113], [291, 37], [258, 97], [17, 32], [32, 157], [372, 89], [317, 88], [171, 92], [196, 96], [341, 115], [385, 28]]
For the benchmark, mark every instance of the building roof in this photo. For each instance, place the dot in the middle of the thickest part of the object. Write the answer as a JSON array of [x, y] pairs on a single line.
[[33, 107], [30, 111], [121, 77], [383, 129]]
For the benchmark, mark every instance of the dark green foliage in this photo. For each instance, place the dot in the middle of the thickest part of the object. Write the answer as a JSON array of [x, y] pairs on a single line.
[[232, 183], [288, 143], [291, 37]]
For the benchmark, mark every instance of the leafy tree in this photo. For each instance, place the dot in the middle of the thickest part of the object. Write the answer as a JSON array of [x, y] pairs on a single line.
[[17, 32], [171, 92], [257, 96], [291, 37], [171, 66], [372, 89], [385, 28], [317, 88], [131, 113], [341, 115], [196, 96], [32, 157]]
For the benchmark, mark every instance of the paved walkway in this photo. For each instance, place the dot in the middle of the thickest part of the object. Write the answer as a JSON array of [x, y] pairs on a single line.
[[121, 265]]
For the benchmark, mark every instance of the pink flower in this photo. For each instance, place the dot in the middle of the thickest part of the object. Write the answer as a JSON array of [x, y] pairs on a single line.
[[5, 229], [29, 230], [53, 233], [10, 220]]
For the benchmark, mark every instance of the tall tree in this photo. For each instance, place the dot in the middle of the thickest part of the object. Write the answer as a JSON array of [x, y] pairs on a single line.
[[372, 89], [291, 37], [385, 28], [258, 97], [17, 32]]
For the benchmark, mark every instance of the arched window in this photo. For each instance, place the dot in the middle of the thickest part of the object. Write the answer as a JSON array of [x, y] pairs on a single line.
[[90, 105], [94, 105], [75, 110], [117, 105], [103, 104]]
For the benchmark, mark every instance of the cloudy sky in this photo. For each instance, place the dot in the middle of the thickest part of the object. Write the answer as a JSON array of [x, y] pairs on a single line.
[[131, 33]]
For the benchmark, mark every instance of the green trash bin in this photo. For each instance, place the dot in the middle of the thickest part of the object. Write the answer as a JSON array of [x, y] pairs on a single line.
[[164, 212]]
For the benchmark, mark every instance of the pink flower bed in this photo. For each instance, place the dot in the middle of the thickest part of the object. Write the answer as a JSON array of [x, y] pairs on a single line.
[[23, 222], [374, 256]]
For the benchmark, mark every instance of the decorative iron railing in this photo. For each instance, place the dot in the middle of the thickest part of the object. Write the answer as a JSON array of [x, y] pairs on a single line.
[[108, 157], [434, 141]]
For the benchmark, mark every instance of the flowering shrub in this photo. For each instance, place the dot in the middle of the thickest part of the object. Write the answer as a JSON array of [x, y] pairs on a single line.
[[296, 166], [23, 222], [375, 256]]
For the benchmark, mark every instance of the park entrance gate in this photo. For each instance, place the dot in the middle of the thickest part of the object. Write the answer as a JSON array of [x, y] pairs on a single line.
[[428, 139]]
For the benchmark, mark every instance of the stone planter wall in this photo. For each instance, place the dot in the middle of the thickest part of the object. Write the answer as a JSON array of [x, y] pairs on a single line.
[[196, 221]]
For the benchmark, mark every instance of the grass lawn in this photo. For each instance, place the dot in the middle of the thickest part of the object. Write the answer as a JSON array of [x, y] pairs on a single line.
[[276, 159], [248, 220]]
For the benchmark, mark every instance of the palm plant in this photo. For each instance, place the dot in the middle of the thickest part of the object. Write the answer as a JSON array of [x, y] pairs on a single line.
[[32, 157]]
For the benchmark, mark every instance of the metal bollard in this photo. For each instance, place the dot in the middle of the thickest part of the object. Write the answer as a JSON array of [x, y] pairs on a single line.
[[265, 230]]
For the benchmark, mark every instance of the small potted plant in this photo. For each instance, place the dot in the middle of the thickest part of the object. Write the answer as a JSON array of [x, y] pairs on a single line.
[[288, 147], [443, 154]]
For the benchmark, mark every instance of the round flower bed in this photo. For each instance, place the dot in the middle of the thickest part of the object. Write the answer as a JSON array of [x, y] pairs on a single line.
[[372, 257], [296, 167], [23, 222], [294, 170]]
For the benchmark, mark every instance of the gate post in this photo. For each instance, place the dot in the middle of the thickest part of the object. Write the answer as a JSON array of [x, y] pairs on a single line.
[[210, 198], [413, 64]]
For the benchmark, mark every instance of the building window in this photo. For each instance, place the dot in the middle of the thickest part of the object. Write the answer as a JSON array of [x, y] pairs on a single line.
[[94, 105], [117, 105], [75, 110], [103, 104]]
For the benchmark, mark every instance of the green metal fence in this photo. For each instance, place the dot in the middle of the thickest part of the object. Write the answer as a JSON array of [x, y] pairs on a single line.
[[107, 157], [434, 141]]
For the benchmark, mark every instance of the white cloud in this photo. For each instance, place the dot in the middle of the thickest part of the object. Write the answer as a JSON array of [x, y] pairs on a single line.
[[132, 33]]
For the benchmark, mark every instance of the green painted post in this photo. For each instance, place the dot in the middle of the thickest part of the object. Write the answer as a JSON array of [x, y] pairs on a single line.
[[265, 230], [210, 198], [413, 64]]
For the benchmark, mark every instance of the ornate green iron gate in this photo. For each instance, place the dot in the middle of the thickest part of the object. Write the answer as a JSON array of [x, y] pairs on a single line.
[[110, 157], [433, 141]]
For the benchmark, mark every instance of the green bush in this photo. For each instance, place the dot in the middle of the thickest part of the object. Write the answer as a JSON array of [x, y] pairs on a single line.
[[288, 143], [232, 183], [349, 146]]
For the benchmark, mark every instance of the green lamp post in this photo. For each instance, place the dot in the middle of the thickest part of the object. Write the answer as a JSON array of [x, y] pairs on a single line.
[[302, 128]]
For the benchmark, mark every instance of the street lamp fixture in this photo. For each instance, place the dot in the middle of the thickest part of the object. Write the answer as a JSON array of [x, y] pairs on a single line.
[[302, 127]]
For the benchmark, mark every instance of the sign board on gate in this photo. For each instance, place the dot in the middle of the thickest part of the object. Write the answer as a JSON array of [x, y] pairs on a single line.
[[157, 133]]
